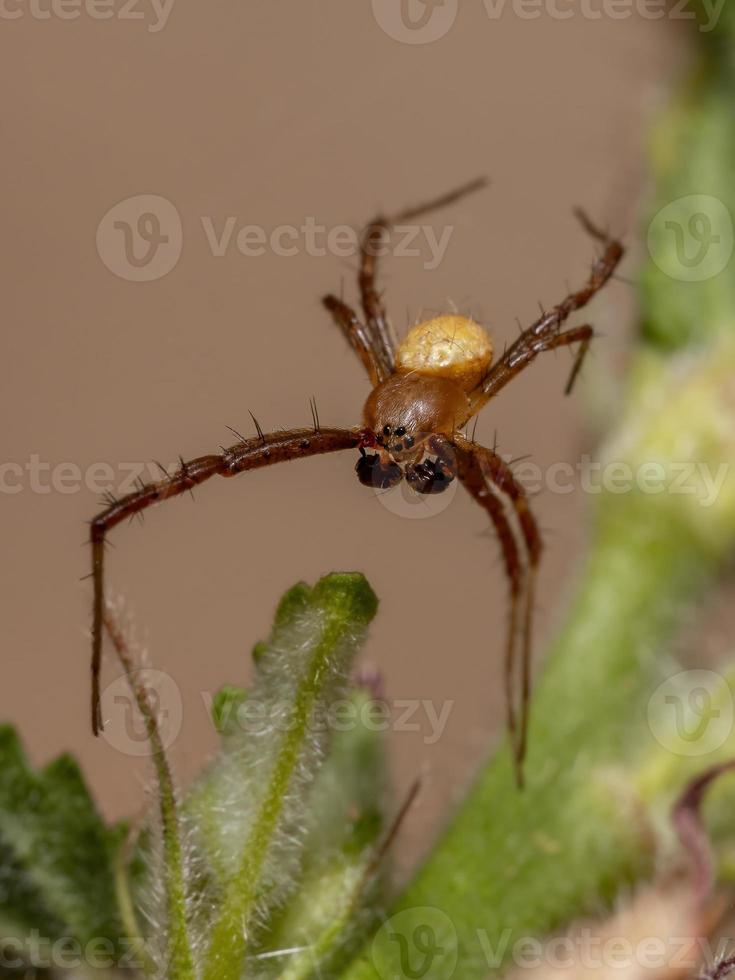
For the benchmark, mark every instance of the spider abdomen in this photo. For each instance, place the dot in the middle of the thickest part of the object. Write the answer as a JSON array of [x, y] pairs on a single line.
[[451, 346]]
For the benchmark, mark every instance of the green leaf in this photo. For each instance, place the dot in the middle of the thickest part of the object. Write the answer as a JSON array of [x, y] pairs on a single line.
[[247, 814], [225, 709], [56, 854]]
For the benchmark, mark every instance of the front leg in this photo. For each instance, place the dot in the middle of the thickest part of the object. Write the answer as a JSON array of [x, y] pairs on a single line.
[[264, 450]]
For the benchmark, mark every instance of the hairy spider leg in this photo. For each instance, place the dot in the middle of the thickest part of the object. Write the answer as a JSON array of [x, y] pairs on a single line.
[[358, 336], [250, 454], [544, 334], [372, 236], [483, 471], [470, 474]]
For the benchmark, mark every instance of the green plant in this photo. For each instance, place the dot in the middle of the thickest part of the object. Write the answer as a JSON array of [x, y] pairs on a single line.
[[270, 865]]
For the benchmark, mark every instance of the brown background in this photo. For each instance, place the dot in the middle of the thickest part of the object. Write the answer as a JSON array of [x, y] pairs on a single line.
[[272, 112]]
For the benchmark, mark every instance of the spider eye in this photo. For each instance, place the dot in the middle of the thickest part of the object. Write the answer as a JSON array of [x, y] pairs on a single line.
[[401, 430], [386, 430]]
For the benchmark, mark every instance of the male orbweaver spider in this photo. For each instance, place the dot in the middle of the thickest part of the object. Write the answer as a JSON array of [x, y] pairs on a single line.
[[424, 392]]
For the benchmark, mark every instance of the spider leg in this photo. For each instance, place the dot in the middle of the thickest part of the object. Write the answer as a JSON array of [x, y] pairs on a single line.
[[370, 246], [515, 361], [547, 327], [472, 478], [582, 335], [250, 454], [480, 470], [360, 339], [499, 473]]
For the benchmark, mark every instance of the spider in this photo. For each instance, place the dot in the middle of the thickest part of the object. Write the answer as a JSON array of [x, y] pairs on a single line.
[[424, 392]]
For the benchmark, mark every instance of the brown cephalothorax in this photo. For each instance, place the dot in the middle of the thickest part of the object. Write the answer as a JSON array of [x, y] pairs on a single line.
[[405, 409], [424, 391]]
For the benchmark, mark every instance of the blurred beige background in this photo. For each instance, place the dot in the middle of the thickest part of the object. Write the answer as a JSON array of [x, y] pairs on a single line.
[[274, 113]]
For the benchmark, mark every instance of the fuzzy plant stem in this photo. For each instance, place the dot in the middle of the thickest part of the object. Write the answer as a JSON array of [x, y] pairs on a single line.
[[126, 903], [179, 953]]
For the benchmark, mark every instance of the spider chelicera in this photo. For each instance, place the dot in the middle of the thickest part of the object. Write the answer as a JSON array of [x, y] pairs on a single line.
[[424, 392]]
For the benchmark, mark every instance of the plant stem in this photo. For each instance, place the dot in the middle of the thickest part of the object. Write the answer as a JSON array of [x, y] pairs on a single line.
[[179, 955]]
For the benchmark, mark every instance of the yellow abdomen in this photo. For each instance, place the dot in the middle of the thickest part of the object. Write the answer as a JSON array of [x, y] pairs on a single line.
[[450, 346]]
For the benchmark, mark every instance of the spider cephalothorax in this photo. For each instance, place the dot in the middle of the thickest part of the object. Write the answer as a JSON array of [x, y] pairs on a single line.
[[424, 391]]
